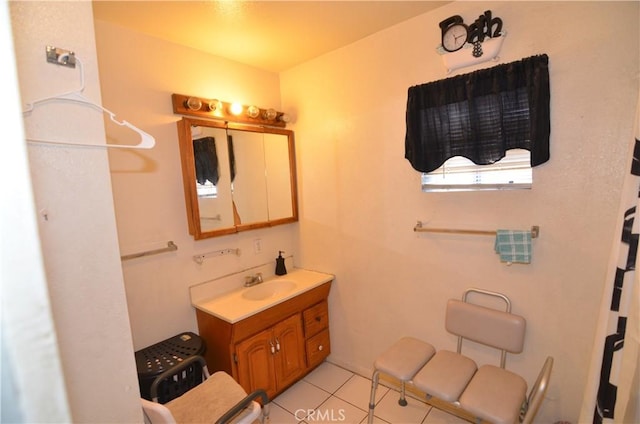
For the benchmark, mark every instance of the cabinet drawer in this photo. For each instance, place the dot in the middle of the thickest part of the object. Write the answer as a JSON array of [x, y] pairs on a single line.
[[316, 319], [318, 348]]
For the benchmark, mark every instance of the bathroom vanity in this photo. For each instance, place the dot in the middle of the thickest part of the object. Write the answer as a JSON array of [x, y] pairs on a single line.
[[270, 335]]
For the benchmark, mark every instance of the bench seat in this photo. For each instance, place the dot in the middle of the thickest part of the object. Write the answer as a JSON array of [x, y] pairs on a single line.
[[404, 358], [495, 394], [488, 393], [446, 375]]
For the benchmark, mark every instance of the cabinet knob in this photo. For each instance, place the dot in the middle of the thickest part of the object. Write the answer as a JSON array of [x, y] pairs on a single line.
[[318, 319], [320, 347]]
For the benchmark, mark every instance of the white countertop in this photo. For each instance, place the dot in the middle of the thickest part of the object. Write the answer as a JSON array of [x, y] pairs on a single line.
[[233, 307]]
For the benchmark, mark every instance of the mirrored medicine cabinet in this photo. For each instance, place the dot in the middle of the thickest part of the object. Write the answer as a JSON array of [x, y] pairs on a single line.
[[236, 177]]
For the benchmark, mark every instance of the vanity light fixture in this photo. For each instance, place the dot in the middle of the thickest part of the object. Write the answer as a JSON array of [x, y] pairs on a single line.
[[231, 112]]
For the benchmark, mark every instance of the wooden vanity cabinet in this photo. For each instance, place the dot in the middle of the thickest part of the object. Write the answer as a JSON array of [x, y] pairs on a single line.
[[273, 358], [274, 348]]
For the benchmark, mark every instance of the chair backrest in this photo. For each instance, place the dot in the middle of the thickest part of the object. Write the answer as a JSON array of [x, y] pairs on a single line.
[[491, 327]]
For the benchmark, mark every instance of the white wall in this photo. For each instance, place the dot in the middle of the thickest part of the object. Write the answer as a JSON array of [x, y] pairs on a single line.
[[29, 351], [138, 74], [77, 231], [360, 198]]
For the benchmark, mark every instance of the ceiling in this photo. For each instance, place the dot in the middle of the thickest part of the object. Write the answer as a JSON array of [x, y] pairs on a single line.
[[270, 35]]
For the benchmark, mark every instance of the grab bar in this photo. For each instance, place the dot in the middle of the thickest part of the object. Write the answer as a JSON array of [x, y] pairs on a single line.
[[535, 230]]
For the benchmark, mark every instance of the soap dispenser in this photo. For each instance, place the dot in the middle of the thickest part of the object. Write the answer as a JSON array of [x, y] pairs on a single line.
[[280, 268]]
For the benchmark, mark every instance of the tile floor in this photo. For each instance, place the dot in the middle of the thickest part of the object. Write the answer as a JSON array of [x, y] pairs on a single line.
[[331, 394]]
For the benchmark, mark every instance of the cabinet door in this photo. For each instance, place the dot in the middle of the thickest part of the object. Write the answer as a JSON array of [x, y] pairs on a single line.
[[290, 358], [255, 363]]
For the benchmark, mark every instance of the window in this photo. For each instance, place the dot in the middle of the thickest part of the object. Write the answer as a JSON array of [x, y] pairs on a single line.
[[206, 190], [497, 117], [460, 174]]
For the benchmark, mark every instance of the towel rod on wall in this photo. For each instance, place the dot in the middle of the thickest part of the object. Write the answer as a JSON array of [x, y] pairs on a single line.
[[171, 246], [199, 259], [535, 230]]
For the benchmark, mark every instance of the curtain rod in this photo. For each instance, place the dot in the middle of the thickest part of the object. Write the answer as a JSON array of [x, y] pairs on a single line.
[[535, 230]]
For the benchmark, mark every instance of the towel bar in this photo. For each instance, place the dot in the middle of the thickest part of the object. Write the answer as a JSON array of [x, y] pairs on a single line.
[[199, 259], [535, 230], [171, 246]]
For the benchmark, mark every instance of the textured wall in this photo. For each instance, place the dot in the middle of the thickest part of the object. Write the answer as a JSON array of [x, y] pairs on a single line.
[[361, 198], [78, 238], [138, 74]]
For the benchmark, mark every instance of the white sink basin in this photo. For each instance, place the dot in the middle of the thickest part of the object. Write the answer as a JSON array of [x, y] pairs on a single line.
[[268, 289], [242, 302]]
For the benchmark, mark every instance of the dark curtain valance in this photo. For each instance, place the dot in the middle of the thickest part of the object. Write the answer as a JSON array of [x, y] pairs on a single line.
[[206, 158], [480, 115]]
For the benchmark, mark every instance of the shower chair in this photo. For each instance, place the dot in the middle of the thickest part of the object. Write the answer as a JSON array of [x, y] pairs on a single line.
[[219, 398], [488, 393]]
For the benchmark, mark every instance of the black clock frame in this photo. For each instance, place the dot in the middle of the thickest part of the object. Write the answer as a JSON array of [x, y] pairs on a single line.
[[458, 24]]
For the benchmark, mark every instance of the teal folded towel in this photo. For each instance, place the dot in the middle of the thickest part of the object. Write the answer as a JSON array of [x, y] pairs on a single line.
[[514, 246]]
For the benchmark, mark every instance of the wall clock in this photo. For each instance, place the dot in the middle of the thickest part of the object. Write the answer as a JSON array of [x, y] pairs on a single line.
[[454, 37]]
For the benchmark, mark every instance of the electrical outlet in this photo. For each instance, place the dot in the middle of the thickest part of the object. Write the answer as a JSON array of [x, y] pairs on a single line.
[[257, 246]]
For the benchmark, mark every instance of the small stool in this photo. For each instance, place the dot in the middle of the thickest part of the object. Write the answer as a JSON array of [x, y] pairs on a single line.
[[402, 361]]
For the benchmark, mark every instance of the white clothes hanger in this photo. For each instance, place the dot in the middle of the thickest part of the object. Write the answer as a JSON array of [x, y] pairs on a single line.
[[75, 96]]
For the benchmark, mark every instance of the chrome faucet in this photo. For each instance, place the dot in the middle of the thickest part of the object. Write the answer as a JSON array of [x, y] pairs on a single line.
[[252, 280]]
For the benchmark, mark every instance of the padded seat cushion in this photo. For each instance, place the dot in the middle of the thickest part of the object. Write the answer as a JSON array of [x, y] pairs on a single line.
[[404, 358], [446, 375], [208, 401], [495, 394]]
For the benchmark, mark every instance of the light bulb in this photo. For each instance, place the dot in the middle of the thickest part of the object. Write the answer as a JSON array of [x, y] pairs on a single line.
[[193, 103], [270, 114], [236, 108], [253, 111], [215, 106], [284, 118]]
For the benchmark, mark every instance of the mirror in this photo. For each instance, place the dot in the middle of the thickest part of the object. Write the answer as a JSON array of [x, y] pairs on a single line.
[[236, 177]]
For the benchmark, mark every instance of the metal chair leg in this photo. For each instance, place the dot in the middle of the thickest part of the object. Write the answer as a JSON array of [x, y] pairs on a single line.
[[402, 401], [372, 398]]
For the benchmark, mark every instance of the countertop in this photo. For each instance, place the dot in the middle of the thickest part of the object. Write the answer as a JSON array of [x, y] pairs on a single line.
[[233, 307]]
